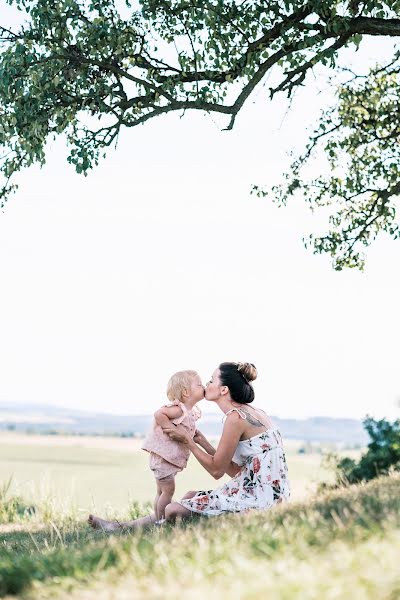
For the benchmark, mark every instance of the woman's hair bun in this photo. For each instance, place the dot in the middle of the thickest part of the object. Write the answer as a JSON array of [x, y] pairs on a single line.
[[248, 371]]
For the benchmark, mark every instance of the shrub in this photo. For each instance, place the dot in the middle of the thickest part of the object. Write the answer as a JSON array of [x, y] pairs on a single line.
[[382, 456]]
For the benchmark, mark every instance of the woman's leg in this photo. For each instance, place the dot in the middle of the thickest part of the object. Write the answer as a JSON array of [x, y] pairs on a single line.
[[176, 511], [172, 512], [189, 495], [167, 487], [105, 525]]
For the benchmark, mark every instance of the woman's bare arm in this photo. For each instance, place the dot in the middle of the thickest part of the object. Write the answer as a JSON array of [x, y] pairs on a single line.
[[202, 441], [221, 462]]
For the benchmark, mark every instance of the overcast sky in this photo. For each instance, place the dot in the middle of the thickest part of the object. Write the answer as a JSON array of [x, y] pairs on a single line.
[[161, 260]]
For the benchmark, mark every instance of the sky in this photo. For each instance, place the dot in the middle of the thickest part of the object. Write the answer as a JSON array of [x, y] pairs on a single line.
[[162, 260]]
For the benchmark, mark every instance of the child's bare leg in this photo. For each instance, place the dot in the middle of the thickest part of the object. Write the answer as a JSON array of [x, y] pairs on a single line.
[[158, 494], [167, 487]]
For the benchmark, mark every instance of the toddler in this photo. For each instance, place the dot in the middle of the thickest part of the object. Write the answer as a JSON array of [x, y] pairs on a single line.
[[168, 457]]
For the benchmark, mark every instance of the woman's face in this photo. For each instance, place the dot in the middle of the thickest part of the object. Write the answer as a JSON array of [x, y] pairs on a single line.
[[213, 387]]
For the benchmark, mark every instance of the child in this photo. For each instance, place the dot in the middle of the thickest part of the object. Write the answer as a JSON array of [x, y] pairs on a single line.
[[168, 457]]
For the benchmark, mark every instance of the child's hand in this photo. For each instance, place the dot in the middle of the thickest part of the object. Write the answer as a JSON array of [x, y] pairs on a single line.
[[198, 436]]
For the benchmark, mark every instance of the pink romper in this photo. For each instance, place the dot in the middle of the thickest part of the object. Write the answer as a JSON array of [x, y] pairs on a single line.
[[168, 457]]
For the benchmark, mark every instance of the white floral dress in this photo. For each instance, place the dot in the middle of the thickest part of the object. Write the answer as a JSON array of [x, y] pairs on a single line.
[[261, 482]]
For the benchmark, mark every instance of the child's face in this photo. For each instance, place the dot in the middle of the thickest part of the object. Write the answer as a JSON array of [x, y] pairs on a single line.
[[197, 389]]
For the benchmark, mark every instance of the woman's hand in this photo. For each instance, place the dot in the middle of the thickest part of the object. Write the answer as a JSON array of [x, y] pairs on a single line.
[[178, 434]]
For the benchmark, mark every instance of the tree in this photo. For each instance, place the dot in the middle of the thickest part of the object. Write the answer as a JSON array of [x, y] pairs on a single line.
[[78, 67], [381, 457], [361, 137]]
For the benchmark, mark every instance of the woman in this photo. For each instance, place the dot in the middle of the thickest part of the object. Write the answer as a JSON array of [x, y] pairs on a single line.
[[250, 451]]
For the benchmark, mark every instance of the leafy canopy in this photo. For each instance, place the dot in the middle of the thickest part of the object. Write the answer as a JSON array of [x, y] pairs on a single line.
[[361, 140], [87, 68]]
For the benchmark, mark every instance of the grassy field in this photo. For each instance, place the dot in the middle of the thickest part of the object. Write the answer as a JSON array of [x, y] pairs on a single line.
[[105, 474], [332, 546], [340, 544]]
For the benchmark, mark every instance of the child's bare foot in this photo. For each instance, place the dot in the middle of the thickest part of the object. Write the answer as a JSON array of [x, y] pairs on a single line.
[[98, 523]]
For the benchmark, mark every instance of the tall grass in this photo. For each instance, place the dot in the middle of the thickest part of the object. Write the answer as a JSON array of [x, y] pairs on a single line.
[[209, 554], [13, 508]]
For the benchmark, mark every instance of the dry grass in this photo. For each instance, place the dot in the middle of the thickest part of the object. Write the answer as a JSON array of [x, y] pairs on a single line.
[[341, 544]]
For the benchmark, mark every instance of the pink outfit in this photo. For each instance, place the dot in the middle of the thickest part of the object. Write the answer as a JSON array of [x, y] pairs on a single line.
[[161, 468], [168, 457]]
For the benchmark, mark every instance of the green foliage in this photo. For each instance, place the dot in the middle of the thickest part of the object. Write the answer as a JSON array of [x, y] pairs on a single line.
[[382, 456], [85, 69], [360, 138]]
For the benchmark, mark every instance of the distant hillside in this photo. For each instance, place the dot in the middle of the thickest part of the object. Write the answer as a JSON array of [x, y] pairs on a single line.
[[50, 419]]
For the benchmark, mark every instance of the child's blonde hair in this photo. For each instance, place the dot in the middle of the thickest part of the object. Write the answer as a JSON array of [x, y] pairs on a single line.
[[179, 382]]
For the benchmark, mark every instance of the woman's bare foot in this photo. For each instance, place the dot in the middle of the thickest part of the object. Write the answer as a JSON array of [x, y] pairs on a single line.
[[98, 523]]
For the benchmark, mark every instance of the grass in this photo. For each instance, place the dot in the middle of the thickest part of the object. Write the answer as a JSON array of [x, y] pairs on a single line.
[[95, 474], [343, 543], [314, 547]]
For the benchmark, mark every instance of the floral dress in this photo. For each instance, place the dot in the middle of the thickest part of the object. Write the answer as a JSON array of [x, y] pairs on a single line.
[[261, 482]]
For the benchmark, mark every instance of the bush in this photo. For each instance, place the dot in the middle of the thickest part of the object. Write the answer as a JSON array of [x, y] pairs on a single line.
[[382, 456]]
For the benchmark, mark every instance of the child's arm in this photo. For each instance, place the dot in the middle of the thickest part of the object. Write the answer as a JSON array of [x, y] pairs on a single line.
[[164, 416], [202, 441], [220, 462]]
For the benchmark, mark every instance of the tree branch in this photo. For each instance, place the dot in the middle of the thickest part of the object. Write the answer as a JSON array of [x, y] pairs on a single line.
[[372, 26]]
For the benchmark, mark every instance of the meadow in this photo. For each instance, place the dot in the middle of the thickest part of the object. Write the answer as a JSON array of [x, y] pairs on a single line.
[[319, 546], [92, 473], [339, 544]]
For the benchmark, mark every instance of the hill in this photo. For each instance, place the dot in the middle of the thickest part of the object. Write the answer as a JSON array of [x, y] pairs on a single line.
[[344, 542], [49, 419]]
